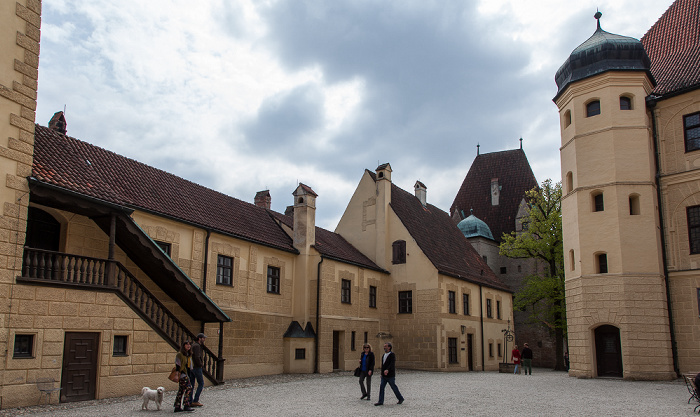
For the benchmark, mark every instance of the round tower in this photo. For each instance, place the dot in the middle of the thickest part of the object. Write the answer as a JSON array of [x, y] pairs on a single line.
[[615, 289]]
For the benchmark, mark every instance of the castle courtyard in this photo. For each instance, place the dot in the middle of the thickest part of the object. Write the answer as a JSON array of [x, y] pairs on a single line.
[[427, 394]]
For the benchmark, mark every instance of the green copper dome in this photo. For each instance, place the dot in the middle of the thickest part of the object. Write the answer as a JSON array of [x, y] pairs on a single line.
[[474, 227]]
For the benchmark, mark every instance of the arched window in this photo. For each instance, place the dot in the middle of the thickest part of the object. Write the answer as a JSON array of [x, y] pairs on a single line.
[[569, 182], [597, 201], [398, 252], [601, 263], [593, 108], [567, 118], [625, 103], [43, 230], [572, 260], [634, 204]]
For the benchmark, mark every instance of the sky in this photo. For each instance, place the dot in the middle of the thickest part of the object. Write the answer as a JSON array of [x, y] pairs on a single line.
[[242, 96]]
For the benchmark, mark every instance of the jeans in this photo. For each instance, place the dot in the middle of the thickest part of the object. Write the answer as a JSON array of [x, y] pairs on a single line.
[[392, 384], [199, 377], [516, 369]]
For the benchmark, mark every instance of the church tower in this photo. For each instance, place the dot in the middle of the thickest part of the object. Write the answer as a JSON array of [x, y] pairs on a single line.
[[618, 323]]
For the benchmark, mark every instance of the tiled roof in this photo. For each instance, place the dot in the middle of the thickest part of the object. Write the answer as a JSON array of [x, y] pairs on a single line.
[[515, 178], [86, 169], [332, 245], [673, 45], [441, 241]]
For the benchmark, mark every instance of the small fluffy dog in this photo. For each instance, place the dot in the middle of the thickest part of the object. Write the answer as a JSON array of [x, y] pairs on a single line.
[[152, 395]]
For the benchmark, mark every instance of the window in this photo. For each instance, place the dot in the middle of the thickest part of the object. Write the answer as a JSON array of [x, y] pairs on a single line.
[[634, 204], [485, 259], [372, 298], [593, 108], [398, 252], [572, 260], [273, 279], [569, 182], [520, 268], [602, 261], [598, 204], [625, 103], [567, 118], [164, 246], [694, 228], [490, 350], [300, 353], [498, 311], [503, 270], [691, 127], [119, 348], [452, 349], [345, 291], [698, 302], [499, 350], [489, 313], [405, 302], [224, 270], [24, 346], [365, 338], [465, 304], [451, 303], [352, 340]]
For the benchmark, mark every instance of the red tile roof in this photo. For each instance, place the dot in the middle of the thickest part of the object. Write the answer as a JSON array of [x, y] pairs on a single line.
[[441, 241], [673, 45], [86, 169], [515, 178]]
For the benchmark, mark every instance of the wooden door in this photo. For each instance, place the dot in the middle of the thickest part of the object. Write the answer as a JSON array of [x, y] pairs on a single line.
[[470, 351], [336, 350], [79, 377], [608, 352]]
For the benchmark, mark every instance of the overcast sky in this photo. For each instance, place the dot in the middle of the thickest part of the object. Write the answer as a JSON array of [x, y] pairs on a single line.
[[244, 96]]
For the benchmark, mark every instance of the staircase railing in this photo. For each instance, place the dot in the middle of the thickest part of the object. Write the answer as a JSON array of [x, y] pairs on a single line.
[[63, 269]]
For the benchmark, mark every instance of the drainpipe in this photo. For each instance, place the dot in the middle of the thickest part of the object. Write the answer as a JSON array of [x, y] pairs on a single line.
[[318, 313], [204, 277], [651, 104], [481, 317]]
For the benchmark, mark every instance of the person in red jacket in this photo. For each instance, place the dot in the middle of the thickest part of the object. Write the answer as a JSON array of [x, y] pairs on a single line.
[[515, 358]]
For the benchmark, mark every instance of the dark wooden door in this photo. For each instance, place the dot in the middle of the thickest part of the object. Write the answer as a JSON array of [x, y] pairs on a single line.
[[470, 351], [336, 350], [79, 378], [608, 352]]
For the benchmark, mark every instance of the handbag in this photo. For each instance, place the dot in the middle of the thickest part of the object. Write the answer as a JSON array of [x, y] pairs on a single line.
[[174, 375], [358, 371]]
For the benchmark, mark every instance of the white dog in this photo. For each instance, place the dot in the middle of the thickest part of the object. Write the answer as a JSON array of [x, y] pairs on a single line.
[[152, 395]]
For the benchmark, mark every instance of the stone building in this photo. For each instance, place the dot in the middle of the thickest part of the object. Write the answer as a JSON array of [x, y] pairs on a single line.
[[491, 203], [630, 123]]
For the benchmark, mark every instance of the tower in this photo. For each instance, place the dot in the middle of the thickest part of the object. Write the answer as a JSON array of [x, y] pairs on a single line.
[[618, 323]]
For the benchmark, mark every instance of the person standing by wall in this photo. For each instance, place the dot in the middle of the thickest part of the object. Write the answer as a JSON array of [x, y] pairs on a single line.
[[366, 370], [526, 355], [515, 358], [388, 375], [197, 364]]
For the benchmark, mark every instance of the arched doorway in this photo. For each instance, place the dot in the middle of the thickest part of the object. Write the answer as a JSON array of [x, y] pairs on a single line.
[[608, 351], [43, 230]]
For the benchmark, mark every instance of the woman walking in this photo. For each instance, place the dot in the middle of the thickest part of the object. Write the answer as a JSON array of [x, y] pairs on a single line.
[[366, 370], [183, 363], [515, 358]]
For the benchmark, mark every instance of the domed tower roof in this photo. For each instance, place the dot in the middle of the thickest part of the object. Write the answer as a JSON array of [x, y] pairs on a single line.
[[602, 52], [474, 227]]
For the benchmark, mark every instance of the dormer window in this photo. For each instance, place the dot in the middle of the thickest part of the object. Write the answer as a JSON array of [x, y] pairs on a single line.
[[593, 108]]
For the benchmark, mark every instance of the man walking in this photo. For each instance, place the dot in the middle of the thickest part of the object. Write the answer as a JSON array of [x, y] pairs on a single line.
[[526, 354], [197, 363], [388, 375]]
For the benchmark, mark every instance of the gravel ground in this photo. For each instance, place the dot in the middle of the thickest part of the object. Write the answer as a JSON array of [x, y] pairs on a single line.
[[427, 393]]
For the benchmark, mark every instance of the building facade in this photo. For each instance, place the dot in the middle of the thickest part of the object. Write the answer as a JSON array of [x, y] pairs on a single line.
[[628, 111]]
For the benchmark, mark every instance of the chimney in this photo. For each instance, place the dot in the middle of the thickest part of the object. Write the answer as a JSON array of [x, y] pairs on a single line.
[[263, 199], [304, 218], [421, 192], [58, 122]]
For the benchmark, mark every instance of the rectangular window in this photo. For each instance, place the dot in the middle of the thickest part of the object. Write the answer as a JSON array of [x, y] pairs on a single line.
[[24, 346], [465, 304], [694, 228], [490, 350], [691, 128], [300, 353], [603, 263], [224, 270], [273, 279], [164, 246], [498, 310], [451, 303], [698, 302], [345, 291], [119, 348], [503, 270], [499, 350], [365, 342], [405, 302], [598, 203], [352, 340], [372, 296], [489, 313], [452, 349], [398, 252]]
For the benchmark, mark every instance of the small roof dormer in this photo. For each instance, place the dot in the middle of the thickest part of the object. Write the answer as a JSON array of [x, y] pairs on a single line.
[[421, 192], [383, 172]]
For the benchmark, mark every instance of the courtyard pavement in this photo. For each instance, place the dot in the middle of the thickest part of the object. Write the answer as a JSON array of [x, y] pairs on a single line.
[[545, 392]]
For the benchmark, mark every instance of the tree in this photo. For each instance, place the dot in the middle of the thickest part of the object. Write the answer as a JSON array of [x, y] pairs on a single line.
[[542, 293]]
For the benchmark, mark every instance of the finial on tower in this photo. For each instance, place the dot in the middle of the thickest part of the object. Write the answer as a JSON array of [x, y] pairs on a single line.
[[597, 16], [477, 148], [521, 143]]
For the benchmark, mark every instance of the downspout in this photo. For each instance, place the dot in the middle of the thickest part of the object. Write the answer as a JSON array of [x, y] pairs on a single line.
[[481, 317], [651, 104], [204, 276], [318, 313]]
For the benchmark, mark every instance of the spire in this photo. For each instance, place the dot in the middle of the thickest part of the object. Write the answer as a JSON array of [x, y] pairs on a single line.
[[477, 148], [521, 144], [597, 16]]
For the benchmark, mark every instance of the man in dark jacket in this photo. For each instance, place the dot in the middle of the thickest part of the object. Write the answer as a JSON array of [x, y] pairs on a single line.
[[197, 363], [526, 355], [388, 375]]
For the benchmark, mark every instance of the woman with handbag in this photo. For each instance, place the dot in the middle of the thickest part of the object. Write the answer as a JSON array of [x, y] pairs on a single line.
[[183, 364], [366, 370]]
